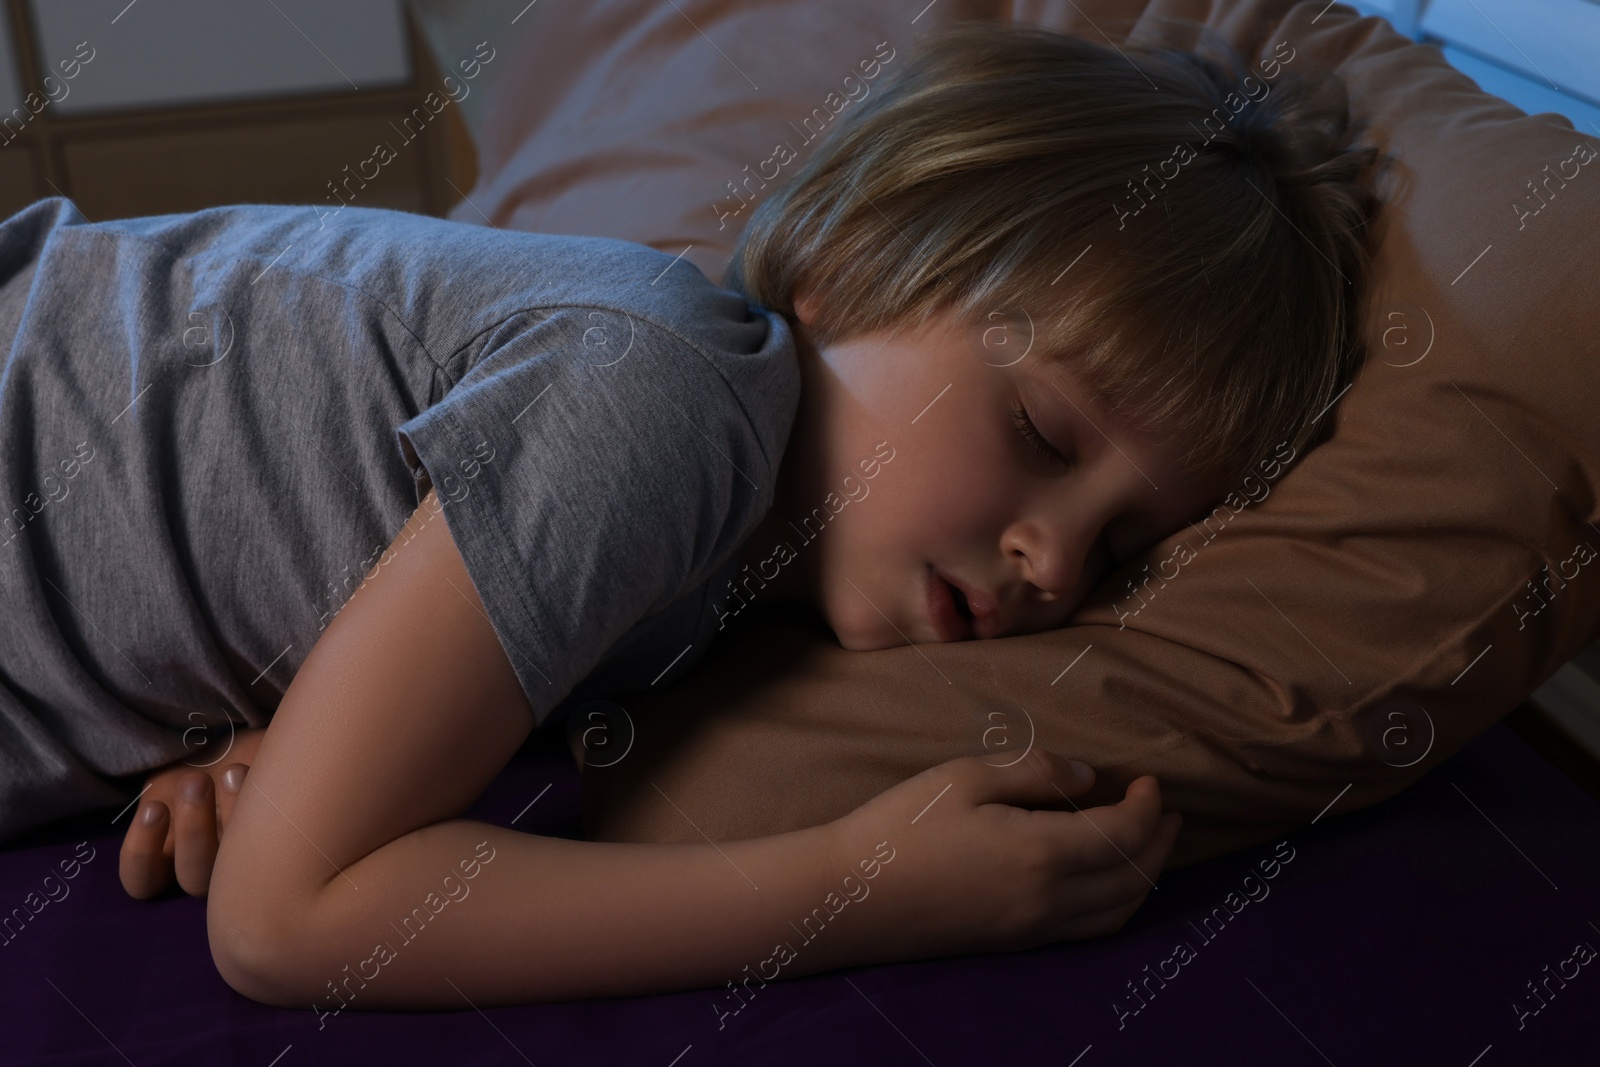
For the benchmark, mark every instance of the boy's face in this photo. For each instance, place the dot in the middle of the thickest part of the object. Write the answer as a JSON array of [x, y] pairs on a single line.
[[932, 482]]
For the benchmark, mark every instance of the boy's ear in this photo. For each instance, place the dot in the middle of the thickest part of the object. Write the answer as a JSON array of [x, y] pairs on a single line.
[[805, 308]]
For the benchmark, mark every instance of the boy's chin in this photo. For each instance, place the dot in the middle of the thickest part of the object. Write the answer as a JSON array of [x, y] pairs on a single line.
[[867, 630], [852, 643], [858, 641], [876, 642]]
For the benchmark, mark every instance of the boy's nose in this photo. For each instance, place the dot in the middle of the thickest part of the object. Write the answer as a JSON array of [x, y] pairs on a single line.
[[1054, 557]]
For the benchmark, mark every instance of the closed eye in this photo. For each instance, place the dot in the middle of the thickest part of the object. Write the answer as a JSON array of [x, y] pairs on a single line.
[[1030, 433]]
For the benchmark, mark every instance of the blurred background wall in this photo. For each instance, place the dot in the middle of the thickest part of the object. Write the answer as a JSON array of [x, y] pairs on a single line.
[[136, 107], [160, 106]]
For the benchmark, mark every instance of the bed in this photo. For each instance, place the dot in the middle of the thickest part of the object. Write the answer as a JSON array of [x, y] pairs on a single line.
[[1453, 924]]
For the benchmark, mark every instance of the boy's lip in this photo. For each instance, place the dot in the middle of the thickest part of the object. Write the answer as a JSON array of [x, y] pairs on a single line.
[[980, 625], [948, 623]]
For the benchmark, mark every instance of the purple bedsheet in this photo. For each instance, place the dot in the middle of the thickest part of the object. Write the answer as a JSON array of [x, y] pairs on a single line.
[[1414, 932]]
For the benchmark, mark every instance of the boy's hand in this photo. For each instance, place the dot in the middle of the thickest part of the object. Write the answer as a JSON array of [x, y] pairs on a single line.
[[985, 866], [203, 797]]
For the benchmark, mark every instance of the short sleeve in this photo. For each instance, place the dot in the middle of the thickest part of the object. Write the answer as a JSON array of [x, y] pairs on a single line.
[[592, 467]]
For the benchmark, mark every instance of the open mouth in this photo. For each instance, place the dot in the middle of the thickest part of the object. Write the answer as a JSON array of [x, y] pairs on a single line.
[[948, 610]]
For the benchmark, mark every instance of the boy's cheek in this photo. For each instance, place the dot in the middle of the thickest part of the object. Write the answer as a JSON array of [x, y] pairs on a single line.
[[970, 493], [846, 615]]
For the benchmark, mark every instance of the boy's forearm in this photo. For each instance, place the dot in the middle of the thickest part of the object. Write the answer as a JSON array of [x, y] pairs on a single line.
[[464, 911]]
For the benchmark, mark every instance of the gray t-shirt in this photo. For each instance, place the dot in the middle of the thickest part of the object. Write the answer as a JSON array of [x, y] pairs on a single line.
[[213, 425]]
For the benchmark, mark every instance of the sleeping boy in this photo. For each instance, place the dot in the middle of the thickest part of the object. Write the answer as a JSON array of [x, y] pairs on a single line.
[[948, 383]]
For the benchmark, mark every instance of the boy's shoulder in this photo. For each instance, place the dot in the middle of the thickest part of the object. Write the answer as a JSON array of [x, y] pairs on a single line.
[[453, 286], [449, 281]]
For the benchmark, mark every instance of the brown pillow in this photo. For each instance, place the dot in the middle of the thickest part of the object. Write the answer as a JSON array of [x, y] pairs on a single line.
[[1382, 601]]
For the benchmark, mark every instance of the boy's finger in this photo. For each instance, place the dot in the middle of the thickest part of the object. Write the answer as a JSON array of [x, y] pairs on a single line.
[[1143, 801], [195, 841], [1151, 859], [1123, 830], [142, 865], [1128, 881], [229, 782], [1038, 779], [1106, 900]]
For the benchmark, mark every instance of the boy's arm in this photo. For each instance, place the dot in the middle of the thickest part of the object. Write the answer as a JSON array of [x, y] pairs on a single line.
[[346, 865], [348, 878]]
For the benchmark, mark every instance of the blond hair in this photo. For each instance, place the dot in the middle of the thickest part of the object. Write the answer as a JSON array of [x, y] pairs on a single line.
[[1216, 304]]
